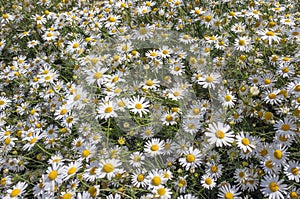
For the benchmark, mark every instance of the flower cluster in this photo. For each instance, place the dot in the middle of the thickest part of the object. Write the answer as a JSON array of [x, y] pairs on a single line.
[[149, 99]]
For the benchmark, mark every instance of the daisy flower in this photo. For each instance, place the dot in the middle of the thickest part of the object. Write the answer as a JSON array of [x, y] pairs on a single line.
[[108, 168], [53, 178], [89, 173], [138, 179], [138, 105], [169, 118], [272, 97], [16, 191], [245, 142], [292, 171], [136, 159], [71, 169], [162, 192], [279, 154], [243, 44], [285, 127], [208, 182], [4, 102], [209, 80], [269, 36], [155, 179], [229, 192], [214, 170], [192, 159], [273, 187], [285, 70], [107, 110], [227, 99], [219, 134], [96, 75], [154, 147], [181, 184], [150, 84], [32, 140], [143, 33]]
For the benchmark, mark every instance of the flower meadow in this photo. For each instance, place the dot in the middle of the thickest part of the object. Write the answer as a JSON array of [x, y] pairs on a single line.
[[149, 99]]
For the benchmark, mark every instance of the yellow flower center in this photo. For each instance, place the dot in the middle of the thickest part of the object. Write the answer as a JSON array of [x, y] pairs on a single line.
[[176, 93], [143, 31], [92, 191], [209, 79], [169, 118], [98, 75], [67, 196], [138, 106], [268, 115], [7, 141], [269, 164], [93, 170], [208, 18], [285, 127], [273, 186], [108, 109], [285, 70], [49, 34], [149, 82], [86, 153], [241, 174], [270, 33], [33, 140], [245, 141], [297, 88], [272, 95], [53, 175], [77, 97], [161, 191], [181, 182], [190, 158], [208, 181], [227, 98], [108, 168], [295, 171], [283, 138], [214, 169], [278, 154], [112, 19], [242, 42], [140, 177], [228, 195], [196, 111], [294, 195], [15, 193], [154, 147], [63, 111], [220, 134], [72, 170], [2, 102], [156, 180], [76, 45], [3, 181], [267, 81]]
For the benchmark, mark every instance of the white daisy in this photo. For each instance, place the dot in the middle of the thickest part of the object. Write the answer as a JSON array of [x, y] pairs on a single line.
[[154, 147], [192, 159], [219, 134], [138, 105], [108, 168], [16, 191], [4, 102], [273, 187], [292, 171]]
